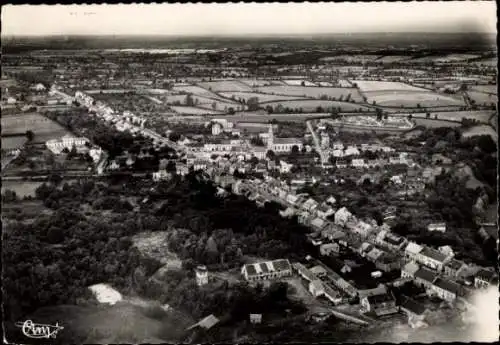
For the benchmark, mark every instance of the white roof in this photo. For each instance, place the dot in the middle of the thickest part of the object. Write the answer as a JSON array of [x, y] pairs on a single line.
[[411, 267], [413, 248]]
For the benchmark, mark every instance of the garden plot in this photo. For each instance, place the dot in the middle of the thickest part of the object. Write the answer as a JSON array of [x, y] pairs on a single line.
[[185, 110], [370, 86], [313, 92], [262, 97], [298, 82], [225, 85], [312, 105], [412, 99]]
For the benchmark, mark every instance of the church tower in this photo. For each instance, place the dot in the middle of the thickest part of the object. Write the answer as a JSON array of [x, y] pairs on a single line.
[[270, 138]]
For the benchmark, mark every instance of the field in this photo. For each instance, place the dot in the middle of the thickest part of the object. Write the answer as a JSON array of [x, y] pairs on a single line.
[[260, 82], [43, 128], [484, 88], [455, 57], [492, 62], [258, 118], [225, 85], [22, 188], [392, 58], [298, 82], [312, 105], [481, 130], [16, 142], [412, 99], [479, 115], [370, 85], [263, 97], [313, 92], [327, 84], [344, 83], [193, 110], [197, 90], [482, 98]]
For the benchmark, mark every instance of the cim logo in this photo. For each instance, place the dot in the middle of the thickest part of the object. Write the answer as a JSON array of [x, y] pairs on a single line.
[[38, 330]]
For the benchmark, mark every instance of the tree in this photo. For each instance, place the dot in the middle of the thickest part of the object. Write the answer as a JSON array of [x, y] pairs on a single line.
[[295, 149], [379, 114], [30, 135], [189, 100], [72, 153], [231, 111], [214, 105], [427, 115], [253, 103], [270, 154]]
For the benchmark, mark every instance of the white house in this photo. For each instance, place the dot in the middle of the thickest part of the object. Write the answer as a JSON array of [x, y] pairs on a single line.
[[267, 270], [440, 227], [67, 141], [342, 216], [409, 270], [316, 288], [358, 163], [351, 151]]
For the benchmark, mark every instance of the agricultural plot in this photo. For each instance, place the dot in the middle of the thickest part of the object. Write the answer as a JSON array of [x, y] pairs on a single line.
[[312, 92], [22, 188], [492, 62], [392, 58], [43, 128], [481, 130], [456, 58], [370, 86], [412, 99], [484, 88], [479, 115], [325, 84], [197, 90], [260, 82], [312, 105], [262, 97], [225, 85], [344, 83], [185, 110], [481, 98], [10, 143], [298, 82]]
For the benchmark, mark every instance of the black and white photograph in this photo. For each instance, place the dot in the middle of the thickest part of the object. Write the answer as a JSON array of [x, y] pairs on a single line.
[[228, 173]]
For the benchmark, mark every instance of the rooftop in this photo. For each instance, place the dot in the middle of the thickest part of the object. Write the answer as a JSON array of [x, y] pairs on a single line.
[[426, 274], [413, 306], [447, 285], [433, 254]]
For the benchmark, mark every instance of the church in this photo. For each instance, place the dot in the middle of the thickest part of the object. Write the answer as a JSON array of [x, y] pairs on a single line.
[[279, 145]]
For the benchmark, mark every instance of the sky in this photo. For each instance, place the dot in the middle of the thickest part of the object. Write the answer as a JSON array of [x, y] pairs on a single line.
[[249, 18]]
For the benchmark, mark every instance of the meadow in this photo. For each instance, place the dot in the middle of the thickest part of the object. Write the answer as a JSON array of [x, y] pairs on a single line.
[[311, 105], [15, 142], [262, 97], [298, 82], [185, 110], [22, 188], [198, 91], [225, 85], [481, 130], [43, 128], [484, 88], [482, 98], [370, 85], [260, 82], [412, 99]]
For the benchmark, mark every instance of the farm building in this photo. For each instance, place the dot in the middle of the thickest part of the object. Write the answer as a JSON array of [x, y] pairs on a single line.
[[267, 270]]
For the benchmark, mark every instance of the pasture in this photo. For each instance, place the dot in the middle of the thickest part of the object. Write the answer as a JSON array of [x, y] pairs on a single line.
[[185, 110], [479, 115], [198, 91], [392, 58], [481, 98], [262, 97], [412, 99], [225, 85], [22, 188], [15, 142], [371, 85], [312, 105], [43, 128], [260, 82], [484, 88], [455, 57], [312, 92]]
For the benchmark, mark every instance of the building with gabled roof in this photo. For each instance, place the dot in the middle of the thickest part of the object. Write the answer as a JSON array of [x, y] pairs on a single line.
[[425, 277], [445, 289], [409, 270], [267, 270]]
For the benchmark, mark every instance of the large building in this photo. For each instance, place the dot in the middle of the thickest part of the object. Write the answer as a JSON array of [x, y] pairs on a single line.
[[66, 142], [267, 270], [281, 144]]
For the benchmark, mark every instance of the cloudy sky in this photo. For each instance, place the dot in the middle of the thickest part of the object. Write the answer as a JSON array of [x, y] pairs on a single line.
[[243, 18]]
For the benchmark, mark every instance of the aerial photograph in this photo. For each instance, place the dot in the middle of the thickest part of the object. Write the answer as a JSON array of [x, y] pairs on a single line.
[[249, 173]]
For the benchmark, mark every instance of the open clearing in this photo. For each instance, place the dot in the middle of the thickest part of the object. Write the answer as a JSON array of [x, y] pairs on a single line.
[[370, 85], [43, 128], [314, 92], [261, 96], [193, 110], [312, 105], [225, 85], [412, 99]]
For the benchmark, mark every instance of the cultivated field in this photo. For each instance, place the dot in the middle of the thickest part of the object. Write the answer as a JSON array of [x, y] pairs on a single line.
[[185, 110], [263, 97], [392, 58], [313, 92], [43, 128], [312, 105], [225, 85], [455, 57], [172, 99], [479, 115], [196, 90], [412, 99], [370, 85]]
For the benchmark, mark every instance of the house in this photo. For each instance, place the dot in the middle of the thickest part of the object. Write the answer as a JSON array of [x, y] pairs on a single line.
[[292, 199], [324, 211], [56, 146], [454, 268], [379, 290], [341, 163], [484, 278], [329, 249], [206, 323], [445, 289], [255, 318], [316, 288], [432, 258], [331, 200], [161, 175], [342, 216], [380, 305], [310, 205], [318, 224], [267, 270], [374, 254], [333, 233], [303, 272], [338, 145], [351, 151], [414, 310], [409, 270], [337, 153], [285, 167], [441, 227], [412, 250], [446, 250], [358, 163], [388, 262], [362, 228], [425, 277], [319, 271], [390, 241], [320, 316]]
